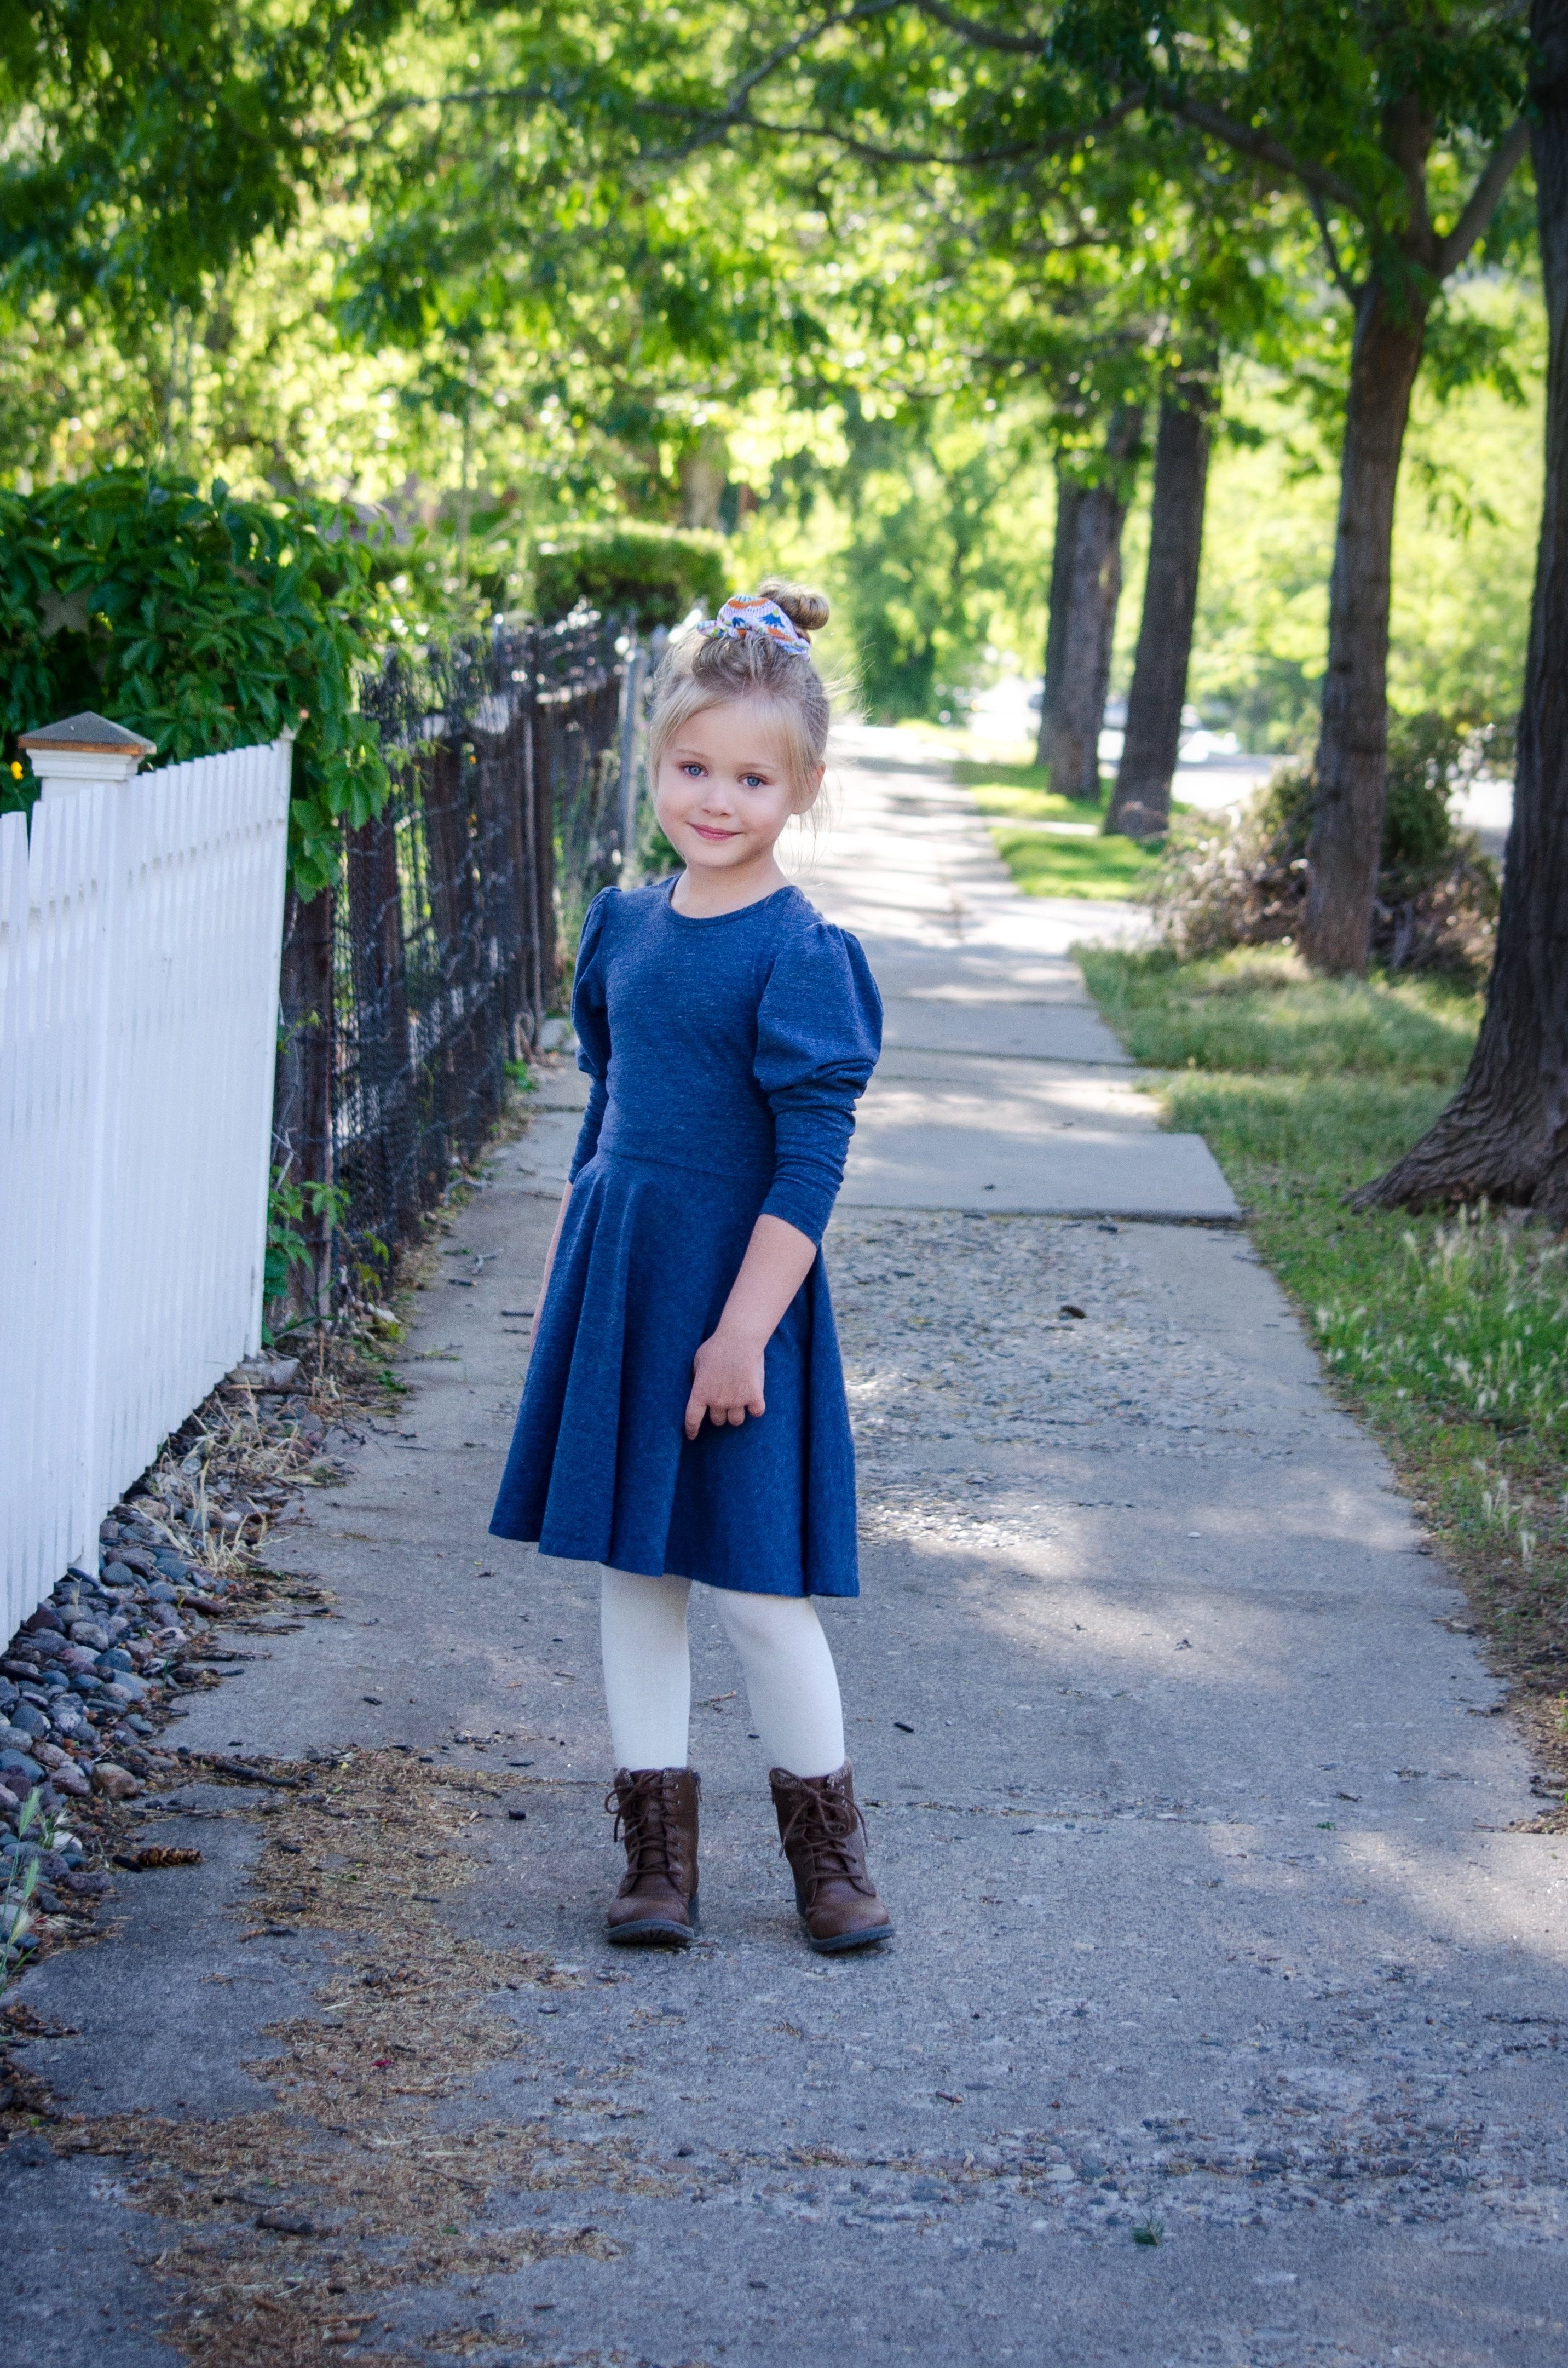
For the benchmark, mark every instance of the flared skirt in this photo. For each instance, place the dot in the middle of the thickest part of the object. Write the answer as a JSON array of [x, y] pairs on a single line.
[[600, 1468]]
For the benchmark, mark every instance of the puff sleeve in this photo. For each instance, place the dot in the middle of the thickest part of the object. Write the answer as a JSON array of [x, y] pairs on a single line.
[[819, 1034], [590, 1020]]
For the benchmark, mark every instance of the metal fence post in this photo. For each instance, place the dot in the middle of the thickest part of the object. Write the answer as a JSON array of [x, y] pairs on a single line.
[[301, 1109], [501, 824]]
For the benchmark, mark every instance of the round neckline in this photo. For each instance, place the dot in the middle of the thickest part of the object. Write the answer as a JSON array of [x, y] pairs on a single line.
[[711, 920]]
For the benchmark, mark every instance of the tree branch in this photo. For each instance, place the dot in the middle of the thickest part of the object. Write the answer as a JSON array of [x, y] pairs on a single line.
[[802, 41], [1342, 279], [732, 110], [1268, 150], [484, 94], [1409, 129], [982, 37], [1053, 144], [1484, 200]]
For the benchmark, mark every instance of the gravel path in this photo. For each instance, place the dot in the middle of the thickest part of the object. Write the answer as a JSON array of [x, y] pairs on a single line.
[[1222, 2026]]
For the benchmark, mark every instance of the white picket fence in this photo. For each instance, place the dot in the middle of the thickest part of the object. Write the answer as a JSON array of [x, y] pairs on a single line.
[[140, 931]]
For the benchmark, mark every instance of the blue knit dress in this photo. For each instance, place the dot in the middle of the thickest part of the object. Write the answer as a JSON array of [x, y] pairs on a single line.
[[727, 1055]]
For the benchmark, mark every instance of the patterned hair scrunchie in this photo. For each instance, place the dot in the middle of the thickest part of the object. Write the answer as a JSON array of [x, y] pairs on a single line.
[[750, 612]]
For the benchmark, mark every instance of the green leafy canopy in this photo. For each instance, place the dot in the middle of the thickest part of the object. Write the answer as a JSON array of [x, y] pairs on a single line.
[[206, 623], [151, 141]]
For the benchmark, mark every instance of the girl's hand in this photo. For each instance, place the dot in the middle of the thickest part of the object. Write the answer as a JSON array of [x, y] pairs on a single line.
[[726, 1382], [726, 1372]]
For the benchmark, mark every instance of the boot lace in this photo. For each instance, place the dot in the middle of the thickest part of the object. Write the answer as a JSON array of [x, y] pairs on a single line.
[[825, 1825], [652, 1840]]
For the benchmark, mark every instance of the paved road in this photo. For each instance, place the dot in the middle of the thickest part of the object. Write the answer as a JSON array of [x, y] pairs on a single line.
[[1188, 1796]]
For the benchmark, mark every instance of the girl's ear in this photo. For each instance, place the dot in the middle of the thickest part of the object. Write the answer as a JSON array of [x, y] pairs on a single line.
[[813, 793]]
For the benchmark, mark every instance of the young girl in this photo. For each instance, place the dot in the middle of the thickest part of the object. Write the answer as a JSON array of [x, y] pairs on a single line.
[[684, 1418]]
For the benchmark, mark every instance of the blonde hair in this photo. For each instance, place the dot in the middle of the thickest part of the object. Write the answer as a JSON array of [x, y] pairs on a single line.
[[703, 670]]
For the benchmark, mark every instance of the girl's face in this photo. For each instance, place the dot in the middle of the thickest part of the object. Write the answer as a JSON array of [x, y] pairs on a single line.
[[724, 792]]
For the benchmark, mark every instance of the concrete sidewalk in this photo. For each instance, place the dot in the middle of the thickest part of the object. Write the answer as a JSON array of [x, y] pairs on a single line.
[[1001, 1088], [1182, 1781]]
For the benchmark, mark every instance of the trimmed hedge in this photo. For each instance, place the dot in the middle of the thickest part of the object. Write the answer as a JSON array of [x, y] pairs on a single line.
[[652, 572], [206, 623]]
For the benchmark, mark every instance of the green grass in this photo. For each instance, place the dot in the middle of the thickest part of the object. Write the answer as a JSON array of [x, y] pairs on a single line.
[[1046, 866], [1260, 1011], [1058, 849], [1447, 1334], [1024, 791]]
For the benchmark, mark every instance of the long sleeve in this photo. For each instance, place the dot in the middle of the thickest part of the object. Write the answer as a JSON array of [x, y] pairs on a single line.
[[590, 1019], [819, 1032]]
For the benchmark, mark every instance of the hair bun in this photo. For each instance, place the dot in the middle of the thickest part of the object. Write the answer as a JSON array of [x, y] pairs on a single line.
[[808, 610]]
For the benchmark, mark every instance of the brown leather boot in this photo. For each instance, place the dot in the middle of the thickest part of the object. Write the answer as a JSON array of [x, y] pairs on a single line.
[[822, 1836], [655, 1809]]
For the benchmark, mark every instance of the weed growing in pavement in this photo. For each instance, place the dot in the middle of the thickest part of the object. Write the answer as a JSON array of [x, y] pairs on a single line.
[[287, 1252], [35, 1833], [1148, 2232], [1448, 1335]]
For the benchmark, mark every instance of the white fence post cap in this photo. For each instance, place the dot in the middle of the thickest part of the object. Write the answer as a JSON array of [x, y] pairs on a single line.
[[83, 749]]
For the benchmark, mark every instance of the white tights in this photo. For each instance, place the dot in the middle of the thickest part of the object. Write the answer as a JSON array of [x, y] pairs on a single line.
[[791, 1684]]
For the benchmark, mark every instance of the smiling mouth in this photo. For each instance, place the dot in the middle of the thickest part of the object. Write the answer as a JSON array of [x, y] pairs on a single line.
[[704, 830]]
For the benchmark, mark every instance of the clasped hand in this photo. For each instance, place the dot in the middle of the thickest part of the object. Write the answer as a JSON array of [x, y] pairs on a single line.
[[726, 1372], [726, 1382]]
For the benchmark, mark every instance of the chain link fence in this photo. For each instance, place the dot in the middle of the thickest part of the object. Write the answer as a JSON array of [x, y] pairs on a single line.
[[414, 984]]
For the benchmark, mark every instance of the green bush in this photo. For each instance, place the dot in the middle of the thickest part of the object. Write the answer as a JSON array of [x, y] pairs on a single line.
[[1220, 884], [652, 572], [1430, 758], [206, 623]]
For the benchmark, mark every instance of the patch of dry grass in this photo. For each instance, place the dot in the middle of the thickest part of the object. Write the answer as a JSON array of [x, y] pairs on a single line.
[[291, 2227]]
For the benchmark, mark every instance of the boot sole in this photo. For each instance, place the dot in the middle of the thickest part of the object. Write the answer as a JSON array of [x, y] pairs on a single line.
[[650, 1935], [844, 1942], [654, 1932]]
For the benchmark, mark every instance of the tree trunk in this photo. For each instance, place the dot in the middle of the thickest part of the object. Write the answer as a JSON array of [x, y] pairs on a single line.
[[1141, 803], [1347, 822], [1093, 588], [1069, 493], [1504, 1136]]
